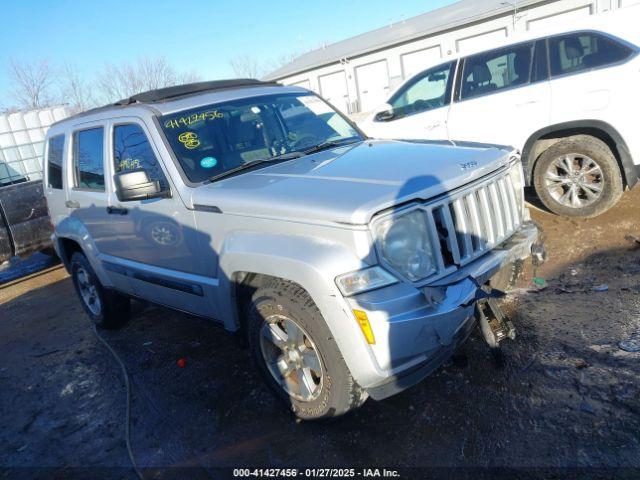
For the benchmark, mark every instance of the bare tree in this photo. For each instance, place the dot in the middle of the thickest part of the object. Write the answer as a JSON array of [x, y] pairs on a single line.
[[75, 90], [121, 81], [245, 66], [32, 83], [281, 60]]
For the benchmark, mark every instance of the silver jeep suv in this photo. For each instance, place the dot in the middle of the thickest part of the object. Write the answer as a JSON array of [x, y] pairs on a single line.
[[353, 266]]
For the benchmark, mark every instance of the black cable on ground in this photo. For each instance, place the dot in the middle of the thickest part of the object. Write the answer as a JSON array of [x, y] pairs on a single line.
[[127, 420]]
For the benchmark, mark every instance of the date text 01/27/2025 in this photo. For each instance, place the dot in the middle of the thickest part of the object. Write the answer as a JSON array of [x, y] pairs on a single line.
[[315, 473]]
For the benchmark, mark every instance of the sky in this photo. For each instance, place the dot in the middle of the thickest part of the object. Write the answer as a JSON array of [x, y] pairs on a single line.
[[193, 35]]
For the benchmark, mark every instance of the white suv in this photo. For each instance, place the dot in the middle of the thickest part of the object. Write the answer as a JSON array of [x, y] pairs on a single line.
[[568, 100]]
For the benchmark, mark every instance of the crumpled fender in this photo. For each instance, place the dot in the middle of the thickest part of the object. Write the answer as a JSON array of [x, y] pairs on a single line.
[[311, 262]]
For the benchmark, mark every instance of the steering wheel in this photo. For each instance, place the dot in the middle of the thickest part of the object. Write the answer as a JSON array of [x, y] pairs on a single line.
[[305, 140]]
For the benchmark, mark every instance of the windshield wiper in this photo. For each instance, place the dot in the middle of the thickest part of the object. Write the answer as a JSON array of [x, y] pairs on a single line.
[[285, 156], [245, 166], [329, 144]]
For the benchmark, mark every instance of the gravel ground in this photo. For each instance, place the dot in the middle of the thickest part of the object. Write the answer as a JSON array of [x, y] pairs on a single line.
[[565, 399]]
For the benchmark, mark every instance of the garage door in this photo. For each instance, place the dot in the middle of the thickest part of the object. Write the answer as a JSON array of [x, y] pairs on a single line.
[[563, 18], [484, 40], [415, 62], [333, 88], [304, 84], [373, 85]]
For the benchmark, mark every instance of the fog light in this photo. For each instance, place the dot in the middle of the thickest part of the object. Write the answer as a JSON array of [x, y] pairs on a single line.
[[365, 326]]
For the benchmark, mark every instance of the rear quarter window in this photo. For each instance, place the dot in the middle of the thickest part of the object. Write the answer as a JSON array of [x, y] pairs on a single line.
[[582, 51], [54, 161]]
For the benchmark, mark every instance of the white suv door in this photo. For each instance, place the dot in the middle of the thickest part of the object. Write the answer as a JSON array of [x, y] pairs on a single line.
[[419, 109], [588, 72], [503, 95]]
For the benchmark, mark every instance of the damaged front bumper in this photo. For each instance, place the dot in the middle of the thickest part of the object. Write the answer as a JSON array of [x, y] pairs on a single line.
[[415, 334]]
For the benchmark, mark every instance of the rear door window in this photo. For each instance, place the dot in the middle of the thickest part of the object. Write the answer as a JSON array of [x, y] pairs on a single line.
[[54, 161], [497, 70], [582, 51], [88, 159]]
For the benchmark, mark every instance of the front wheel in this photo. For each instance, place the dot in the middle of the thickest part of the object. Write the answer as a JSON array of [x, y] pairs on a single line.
[[296, 354], [106, 309], [578, 177]]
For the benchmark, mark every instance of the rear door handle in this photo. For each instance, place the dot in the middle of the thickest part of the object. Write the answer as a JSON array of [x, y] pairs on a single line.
[[524, 104], [117, 211], [72, 204]]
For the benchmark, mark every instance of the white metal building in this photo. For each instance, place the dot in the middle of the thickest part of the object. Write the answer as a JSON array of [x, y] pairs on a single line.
[[358, 74]]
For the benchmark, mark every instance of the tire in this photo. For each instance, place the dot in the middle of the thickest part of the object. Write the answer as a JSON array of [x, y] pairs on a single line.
[[583, 151], [327, 389], [507, 276], [108, 310]]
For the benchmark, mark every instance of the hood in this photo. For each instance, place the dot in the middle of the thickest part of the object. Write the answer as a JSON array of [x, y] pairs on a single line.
[[350, 184]]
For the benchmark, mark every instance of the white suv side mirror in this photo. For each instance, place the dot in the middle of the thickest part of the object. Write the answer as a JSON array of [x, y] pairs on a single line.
[[383, 113]]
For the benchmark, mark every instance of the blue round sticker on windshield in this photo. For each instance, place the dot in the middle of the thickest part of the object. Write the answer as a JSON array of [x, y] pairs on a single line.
[[208, 162]]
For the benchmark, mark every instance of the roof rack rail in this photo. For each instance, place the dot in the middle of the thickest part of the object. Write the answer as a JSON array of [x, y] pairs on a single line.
[[167, 93]]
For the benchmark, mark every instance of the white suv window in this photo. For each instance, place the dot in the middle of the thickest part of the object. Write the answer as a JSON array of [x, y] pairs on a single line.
[[497, 70], [427, 91], [583, 51]]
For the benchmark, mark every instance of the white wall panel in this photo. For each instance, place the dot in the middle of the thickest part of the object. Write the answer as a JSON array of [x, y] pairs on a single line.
[[333, 87], [414, 62], [480, 41], [561, 18]]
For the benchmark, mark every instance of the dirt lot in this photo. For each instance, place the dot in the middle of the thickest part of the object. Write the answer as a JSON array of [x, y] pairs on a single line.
[[566, 398]]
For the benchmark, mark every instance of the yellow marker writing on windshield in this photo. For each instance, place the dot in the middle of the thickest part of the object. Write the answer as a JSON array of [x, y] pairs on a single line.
[[189, 140]]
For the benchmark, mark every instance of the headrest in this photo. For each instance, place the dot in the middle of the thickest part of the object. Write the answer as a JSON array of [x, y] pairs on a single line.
[[481, 73], [521, 63], [573, 48]]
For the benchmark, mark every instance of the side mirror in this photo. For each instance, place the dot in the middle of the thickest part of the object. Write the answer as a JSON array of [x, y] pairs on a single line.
[[135, 185], [383, 113]]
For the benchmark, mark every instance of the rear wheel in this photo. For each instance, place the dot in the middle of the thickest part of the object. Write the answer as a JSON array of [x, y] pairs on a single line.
[[106, 309], [296, 354], [578, 177]]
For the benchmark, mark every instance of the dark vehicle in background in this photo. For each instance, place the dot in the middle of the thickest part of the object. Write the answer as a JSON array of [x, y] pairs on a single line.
[[24, 220]]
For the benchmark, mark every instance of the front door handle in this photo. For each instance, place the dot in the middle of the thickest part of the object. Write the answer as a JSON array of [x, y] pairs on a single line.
[[433, 126], [117, 211], [72, 204]]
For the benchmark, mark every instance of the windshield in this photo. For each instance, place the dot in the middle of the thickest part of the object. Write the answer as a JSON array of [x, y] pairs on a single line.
[[211, 140]]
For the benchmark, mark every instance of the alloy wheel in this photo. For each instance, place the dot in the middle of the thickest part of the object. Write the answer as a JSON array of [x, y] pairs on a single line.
[[574, 180], [88, 291], [291, 357]]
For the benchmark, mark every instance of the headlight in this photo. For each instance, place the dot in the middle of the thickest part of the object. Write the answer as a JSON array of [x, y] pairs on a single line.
[[405, 245], [364, 280], [517, 179]]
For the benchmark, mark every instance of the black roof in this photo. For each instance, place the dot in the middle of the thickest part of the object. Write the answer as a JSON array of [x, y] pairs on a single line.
[[170, 93]]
